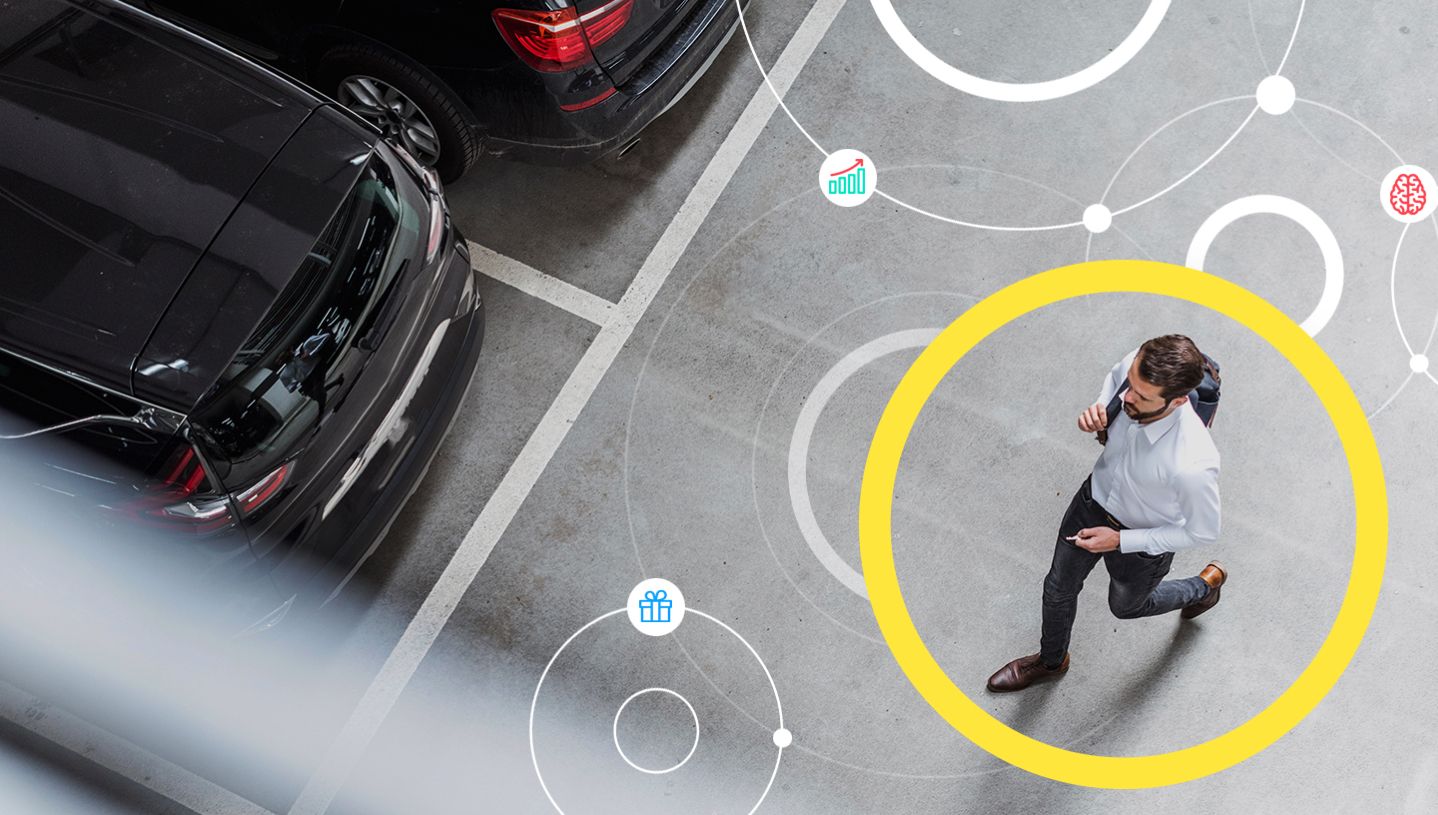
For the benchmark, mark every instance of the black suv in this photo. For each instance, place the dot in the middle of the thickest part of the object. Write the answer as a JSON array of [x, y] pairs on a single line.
[[250, 315], [543, 81]]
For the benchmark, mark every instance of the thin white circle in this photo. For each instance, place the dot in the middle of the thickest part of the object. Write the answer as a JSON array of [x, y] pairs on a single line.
[[804, 434], [1304, 217], [1018, 91], [848, 177], [1407, 193], [656, 607], [534, 702], [1097, 218], [1276, 95], [1419, 363], [783, 738], [691, 713]]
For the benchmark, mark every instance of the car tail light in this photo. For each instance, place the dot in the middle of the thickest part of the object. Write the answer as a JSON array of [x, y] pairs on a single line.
[[545, 40], [605, 21], [588, 103], [253, 498], [180, 499], [430, 179], [436, 228]]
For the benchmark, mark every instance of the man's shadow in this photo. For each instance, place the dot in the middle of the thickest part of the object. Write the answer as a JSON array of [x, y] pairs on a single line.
[[1127, 702]]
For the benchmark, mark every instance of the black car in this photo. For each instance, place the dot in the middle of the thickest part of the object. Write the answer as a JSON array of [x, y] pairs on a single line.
[[250, 315], [543, 81]]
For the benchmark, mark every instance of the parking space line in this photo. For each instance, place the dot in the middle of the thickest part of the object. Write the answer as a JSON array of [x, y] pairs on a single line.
[[535, 283], [517, 483], [120, 756]]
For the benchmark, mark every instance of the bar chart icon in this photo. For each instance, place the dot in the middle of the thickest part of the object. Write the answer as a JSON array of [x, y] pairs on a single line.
[[847, 178], [848, 182]]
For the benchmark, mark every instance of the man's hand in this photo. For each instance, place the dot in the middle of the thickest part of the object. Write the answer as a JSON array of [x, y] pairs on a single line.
[[1097, 539], [1094, 419]]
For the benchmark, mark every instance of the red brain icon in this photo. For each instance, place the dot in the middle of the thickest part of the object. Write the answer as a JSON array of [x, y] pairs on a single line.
[[1408, 195]]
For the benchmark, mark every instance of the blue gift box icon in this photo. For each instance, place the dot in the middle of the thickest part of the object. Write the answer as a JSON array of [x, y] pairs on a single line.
[[654, 608]]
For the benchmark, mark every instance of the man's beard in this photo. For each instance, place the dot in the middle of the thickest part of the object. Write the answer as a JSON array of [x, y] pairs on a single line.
[[1138, 416]]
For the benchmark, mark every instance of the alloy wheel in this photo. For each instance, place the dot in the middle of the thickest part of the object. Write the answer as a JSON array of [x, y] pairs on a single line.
[[395, 114]]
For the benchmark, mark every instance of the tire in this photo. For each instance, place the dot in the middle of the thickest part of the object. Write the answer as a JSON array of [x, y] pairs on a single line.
[[404, 102]]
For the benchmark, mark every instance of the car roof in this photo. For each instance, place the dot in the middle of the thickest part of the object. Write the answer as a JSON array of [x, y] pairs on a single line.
[[128, 145]]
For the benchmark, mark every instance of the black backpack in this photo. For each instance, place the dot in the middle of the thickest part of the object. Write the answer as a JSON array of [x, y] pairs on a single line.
[[1204, 398]]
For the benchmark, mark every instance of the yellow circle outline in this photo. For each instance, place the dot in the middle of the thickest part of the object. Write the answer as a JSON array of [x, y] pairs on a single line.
[[876, 508]]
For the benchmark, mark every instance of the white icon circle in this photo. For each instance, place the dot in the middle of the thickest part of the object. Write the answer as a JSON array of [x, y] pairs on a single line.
[[655, 607], [620, 712], [783, 738], [1276, 95], [848, 178], [1418, 363], [1407, 193], [1097, 218], [1013, 91]]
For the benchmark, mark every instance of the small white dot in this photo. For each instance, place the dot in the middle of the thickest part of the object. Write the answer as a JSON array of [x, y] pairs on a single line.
[[783, 737], [1097, 218], [1418, 363], [1276, 95]]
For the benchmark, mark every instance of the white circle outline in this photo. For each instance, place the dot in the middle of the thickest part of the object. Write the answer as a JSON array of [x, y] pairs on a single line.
[[620, 712], [1021, 91], [803, 434], [534, 702], [1296, 212]]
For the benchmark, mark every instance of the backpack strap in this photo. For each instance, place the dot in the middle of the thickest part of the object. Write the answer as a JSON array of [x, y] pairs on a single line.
[[1204, 398], [1114, 406]]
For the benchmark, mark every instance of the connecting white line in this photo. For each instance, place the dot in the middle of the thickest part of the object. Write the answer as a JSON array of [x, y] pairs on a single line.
[[1191, 173], [1393, 290], [494, 519], [120, 756], [1175, 120], [1293, 38], [535, 283]]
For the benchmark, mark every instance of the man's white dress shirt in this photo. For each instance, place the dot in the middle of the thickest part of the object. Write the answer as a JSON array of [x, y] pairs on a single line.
[[1158, 479]]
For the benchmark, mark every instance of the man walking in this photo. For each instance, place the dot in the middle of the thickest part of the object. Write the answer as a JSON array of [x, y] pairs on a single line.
[[1153, 491]]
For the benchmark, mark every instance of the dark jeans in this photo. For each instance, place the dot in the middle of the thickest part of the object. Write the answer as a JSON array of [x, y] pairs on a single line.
[[1136, 586]]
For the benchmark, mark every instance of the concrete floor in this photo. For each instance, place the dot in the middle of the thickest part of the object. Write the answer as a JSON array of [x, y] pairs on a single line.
[[680, 465]]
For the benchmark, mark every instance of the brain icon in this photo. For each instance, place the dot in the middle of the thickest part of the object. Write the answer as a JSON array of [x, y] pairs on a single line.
[[1408, 195]]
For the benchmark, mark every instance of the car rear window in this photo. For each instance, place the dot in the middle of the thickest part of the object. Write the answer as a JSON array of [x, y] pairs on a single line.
[[296, 365]]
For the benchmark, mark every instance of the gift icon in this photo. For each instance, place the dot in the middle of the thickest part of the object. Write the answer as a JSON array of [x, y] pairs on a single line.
[[654, 608]]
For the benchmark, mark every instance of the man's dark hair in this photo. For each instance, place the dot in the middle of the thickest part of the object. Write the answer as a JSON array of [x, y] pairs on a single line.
[[1173, 363]]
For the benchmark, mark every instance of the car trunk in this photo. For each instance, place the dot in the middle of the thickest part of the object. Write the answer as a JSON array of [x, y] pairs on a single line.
[[624, 33]]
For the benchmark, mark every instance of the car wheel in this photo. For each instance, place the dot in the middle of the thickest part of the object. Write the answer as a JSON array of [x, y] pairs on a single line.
[[405, 104]]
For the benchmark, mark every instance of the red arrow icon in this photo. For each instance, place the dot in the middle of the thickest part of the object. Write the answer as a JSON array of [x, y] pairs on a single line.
[[857, 163]]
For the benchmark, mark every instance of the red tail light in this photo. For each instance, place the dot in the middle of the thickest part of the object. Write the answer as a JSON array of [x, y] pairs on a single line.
[[263, 490], [605, 21], [545, 40], [560, 40], [182, 498]]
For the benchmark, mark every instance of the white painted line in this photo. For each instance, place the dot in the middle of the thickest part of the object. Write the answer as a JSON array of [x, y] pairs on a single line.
[[494, 519], [535, 283], [120, 756]]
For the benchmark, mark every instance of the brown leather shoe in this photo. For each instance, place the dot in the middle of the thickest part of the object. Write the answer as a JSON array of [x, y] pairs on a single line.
[[1213, 574], [1023, 672]]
